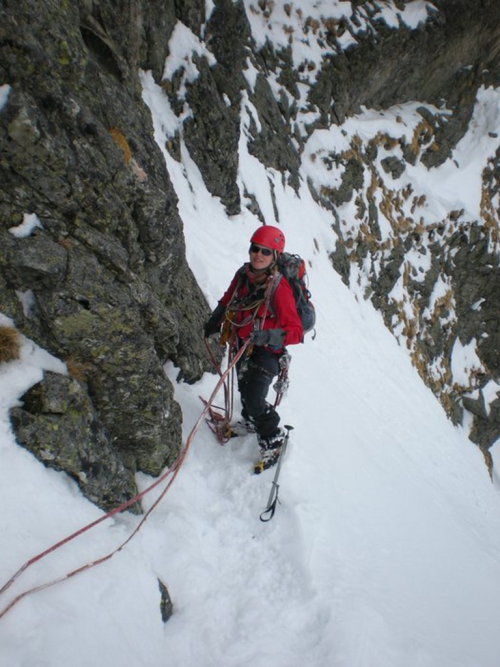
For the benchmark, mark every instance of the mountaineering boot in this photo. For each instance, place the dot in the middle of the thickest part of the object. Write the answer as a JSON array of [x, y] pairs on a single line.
[[242, 428], [270, 450]]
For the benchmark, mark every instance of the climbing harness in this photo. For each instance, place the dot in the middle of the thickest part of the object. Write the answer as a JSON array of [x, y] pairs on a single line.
[[219, 417]]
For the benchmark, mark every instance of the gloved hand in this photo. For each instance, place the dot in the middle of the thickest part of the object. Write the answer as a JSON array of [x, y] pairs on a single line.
[[268, 338], [213, 323]]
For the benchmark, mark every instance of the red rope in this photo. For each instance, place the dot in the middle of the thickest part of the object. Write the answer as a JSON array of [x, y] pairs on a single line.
[[174, 469], [225, 413], [218, 368]]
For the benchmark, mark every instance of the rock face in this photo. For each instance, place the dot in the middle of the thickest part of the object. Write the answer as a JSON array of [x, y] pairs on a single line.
[[103, 277], [59, 424], [93, 261]]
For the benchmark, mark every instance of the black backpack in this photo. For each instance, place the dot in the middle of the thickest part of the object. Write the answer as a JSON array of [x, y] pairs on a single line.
[[293, 268]]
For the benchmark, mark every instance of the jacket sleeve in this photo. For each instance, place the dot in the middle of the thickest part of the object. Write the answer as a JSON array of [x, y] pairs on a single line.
[[286, 313]]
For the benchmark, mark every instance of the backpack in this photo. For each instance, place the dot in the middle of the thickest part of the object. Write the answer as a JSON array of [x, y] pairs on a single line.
[[293, 268]]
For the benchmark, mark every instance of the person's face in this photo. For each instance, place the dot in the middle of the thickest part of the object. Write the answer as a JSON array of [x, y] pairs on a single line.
[[260, 258]]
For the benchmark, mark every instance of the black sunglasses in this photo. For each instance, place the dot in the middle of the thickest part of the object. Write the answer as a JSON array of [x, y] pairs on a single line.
[[264, 251]]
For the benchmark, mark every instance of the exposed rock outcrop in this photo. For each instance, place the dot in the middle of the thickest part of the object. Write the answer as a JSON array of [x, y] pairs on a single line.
[[104, 276]]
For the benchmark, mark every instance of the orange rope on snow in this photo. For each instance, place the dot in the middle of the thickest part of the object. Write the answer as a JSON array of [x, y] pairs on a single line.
[[173, 470]]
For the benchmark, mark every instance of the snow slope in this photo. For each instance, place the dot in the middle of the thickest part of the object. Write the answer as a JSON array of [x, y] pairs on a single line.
[[384, 551]]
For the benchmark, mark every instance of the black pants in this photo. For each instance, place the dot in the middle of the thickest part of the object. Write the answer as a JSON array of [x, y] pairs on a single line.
[[255, 374]]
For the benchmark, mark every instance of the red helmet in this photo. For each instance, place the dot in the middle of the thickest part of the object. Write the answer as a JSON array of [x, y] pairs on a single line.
[[269, 237]]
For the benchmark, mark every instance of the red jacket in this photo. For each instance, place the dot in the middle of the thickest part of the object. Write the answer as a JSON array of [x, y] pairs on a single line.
[[281, 313]]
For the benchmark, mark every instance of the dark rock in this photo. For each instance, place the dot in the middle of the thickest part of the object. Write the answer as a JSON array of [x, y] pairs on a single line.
[[393, 166], [212, 136], [106, 276], [59, 425], [486, 427], [340, 262], [228, 38], [476, 406], [35, 262], [166, 604], [271, 143]]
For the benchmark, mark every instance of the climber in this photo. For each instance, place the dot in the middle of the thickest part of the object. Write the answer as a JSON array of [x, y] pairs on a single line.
[[259, 307]]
